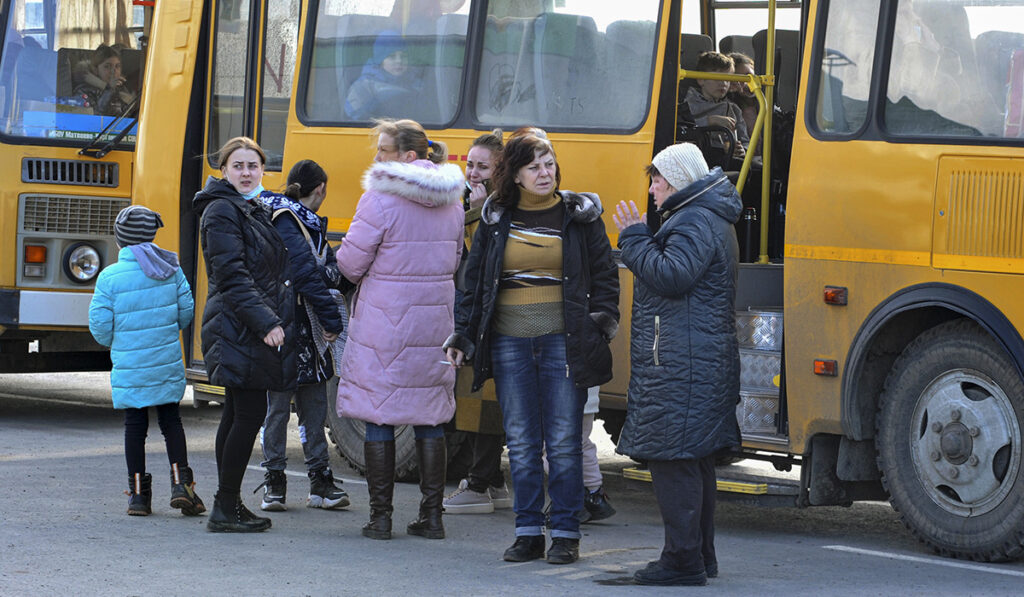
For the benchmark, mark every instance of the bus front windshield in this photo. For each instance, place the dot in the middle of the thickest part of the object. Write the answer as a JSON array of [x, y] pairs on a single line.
[[69, 68]]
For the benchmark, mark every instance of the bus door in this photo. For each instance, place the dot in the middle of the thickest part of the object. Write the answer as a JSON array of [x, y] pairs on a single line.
[[252, 60], [70, 81]]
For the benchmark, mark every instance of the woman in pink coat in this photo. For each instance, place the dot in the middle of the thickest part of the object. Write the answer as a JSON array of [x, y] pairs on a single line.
[[402, 250]]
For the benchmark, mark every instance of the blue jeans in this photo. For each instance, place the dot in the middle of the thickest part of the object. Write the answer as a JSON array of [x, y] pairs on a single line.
[[386, 433], [541, 406]]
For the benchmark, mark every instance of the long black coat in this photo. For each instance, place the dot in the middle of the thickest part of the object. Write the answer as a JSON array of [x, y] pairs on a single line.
[[590, 290], [684, 382], [249, 292]]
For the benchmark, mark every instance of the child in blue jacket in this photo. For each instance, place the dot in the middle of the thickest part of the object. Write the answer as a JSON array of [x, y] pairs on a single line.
[[138, 308]]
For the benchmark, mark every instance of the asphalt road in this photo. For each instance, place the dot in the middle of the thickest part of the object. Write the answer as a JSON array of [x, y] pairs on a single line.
[[63, 530]]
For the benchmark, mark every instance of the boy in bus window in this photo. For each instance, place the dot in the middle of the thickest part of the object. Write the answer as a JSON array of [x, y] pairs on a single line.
[[709, 105], [386, 86]]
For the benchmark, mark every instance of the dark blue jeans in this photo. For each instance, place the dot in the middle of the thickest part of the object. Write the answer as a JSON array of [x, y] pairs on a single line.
[[386, 433], [541, 405]]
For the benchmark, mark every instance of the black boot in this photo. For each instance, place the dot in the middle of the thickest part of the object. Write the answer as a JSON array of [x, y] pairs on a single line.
[[183, 492], [140, 488], [229, 515], [380, 481], [432, 456]]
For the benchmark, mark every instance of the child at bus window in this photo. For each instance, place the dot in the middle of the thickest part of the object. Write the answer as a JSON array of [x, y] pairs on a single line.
[[318, 323], [709, 105], [386, 86], [100, 82], [740, 94], [138, 307]]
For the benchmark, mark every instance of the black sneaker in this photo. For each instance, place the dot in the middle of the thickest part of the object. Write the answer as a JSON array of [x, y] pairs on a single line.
[[275, 486], [563, 550], [597, 505], [525, 548], [323, 493], [656, 574]]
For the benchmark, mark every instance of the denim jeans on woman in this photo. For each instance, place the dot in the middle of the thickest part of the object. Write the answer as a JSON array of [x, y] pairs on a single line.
[[541, 405]]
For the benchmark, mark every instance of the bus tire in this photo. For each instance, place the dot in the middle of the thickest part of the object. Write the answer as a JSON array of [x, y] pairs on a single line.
[[949, 447]]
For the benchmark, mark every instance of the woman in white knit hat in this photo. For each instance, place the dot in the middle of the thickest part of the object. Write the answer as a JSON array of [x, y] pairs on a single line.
[[684, 380]]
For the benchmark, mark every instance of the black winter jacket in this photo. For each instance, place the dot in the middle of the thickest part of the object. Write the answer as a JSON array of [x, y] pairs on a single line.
[[311, 283], [684, 382], [590, 290], [249, 292]]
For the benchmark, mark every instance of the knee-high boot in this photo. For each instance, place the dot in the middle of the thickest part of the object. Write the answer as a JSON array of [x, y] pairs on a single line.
[[432, 461], [380, 481]]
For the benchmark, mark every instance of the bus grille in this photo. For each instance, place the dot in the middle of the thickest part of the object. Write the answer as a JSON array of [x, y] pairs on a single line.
[[70, 215], [76, 172]]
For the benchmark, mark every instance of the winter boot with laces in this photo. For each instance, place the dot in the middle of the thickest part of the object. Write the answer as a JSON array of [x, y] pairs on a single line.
[[275, 486], [323, 493], [183, 493], [229, 515], [140, 490]]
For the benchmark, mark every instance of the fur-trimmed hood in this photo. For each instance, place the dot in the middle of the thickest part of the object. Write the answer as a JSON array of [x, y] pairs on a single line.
[[582, 207], [420, 181]]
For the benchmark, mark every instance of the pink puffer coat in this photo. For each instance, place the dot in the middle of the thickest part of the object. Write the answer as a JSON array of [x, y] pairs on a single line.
[[402, 249]]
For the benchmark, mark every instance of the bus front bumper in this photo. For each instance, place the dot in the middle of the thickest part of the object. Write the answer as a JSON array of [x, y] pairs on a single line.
[[28, 308]]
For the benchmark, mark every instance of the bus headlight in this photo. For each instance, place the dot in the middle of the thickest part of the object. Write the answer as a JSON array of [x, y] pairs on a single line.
[[81, 263]]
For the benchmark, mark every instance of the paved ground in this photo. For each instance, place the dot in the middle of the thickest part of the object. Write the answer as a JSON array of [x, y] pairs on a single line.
[[63, 530]]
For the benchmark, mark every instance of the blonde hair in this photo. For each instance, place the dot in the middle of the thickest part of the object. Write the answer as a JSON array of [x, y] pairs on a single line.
[[410, 136]]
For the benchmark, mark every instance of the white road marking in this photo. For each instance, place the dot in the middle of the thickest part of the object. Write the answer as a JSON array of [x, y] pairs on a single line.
[[304, 476], [936, 561]]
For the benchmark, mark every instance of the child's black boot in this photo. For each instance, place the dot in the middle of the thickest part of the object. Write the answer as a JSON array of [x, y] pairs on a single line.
[[183, 492], [140, 490]]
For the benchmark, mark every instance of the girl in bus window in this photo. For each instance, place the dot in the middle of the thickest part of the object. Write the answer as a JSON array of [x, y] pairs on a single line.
[[100, 82]]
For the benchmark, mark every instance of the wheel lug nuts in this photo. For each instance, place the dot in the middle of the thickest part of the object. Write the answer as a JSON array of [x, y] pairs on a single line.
[[937, 427], [974, 431], [935, 455], [954, 473], [955, 415], [973, 461]]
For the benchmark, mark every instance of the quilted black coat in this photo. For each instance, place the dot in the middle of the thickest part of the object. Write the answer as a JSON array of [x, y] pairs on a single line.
[[249, 292], [684, 382]]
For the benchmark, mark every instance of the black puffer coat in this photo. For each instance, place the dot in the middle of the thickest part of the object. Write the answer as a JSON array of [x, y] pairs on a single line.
[[249, 292], [684, 382], [590, 290]]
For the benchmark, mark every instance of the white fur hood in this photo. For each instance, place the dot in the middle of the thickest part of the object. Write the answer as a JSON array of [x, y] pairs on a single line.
[[420, 181]]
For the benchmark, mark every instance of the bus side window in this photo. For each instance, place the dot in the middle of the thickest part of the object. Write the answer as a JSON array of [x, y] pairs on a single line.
[[995, 51], [354, 39], [449, 60], [507, 94], [566, 51], [627, 52]]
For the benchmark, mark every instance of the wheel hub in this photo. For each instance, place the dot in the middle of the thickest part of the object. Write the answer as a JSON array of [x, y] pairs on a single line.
[[956, 443]]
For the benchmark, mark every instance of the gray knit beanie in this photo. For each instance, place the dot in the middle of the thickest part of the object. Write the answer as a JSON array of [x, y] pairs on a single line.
[[681, 165], [135, 225]]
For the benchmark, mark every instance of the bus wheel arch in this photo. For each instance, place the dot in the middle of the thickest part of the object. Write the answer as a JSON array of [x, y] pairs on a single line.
[[957, 484]]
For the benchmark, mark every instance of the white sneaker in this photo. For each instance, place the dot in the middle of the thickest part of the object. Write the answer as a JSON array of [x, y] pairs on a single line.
[[466, 501], [500, 497]]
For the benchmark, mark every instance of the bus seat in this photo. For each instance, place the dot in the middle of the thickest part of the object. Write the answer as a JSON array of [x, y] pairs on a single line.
[[70, 64], [449, 62], [565, 58], [787, 64], [691, 46], [507, 93], [995, 50], [743, 44], [36, 72], [627, 45]]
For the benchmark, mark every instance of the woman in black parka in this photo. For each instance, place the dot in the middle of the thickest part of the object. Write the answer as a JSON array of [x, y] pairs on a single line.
[[684, 376], [249, 314]]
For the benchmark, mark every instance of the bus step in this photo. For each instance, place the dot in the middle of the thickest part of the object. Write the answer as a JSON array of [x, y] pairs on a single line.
[[736, 483]]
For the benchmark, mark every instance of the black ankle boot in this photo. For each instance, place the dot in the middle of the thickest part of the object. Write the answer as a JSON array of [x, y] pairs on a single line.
[[229, 515], [380, 482], [183, 493], [140, 488], [431, 454]]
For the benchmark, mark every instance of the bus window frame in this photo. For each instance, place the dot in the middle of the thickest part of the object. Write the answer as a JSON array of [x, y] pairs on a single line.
[[7, 139], [259, 104], [873, 128], [465, 114]]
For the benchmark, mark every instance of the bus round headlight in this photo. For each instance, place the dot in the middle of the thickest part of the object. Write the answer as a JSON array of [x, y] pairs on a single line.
[[82, 263]]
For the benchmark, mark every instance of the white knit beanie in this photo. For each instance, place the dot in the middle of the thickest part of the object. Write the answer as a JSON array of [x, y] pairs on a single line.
[[681, 165]]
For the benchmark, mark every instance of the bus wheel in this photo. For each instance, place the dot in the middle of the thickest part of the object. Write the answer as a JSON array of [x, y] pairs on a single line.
[[949, 443], [348, 436]]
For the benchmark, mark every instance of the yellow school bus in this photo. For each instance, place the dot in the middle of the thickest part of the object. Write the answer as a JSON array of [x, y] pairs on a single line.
[[878, 310], [66, 162]]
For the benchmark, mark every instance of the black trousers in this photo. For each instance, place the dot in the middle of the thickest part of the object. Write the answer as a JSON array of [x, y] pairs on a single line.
[[244, 412], [136, 427], [685, 490], [485, 470]]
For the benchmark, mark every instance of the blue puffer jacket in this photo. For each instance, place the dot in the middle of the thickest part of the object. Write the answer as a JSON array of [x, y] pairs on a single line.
[[139, 317], [684, 382]]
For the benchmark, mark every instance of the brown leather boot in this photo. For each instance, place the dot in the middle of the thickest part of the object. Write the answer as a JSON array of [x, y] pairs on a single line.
[[380, 481], [432, 457]]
